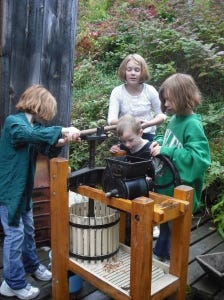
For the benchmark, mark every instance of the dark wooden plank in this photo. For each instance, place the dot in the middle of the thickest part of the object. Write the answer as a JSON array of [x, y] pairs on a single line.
[[37, 46], [195, 272], [5, 45], [26, 45], [205, 245], [199, 219], [201, 232], [1, 255], [206, 288], [219, 295], [57, 62]]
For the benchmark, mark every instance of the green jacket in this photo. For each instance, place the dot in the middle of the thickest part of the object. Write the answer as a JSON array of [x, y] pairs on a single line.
[[186, 145], [19, 145]]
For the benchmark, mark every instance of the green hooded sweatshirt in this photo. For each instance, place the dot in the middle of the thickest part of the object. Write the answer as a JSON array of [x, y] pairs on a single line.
[[187, 147]]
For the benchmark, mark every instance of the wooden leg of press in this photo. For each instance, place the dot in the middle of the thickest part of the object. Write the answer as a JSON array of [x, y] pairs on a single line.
[[181, 230], [59, 227], [141, 248]]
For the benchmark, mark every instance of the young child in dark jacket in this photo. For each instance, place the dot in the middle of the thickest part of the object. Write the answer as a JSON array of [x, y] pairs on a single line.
[[130, 132]]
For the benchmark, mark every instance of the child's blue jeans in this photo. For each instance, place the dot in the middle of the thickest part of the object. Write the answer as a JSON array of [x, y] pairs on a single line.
[[162, 247], [19, 249]]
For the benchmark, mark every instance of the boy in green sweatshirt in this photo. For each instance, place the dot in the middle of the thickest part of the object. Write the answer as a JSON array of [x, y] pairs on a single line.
[[184, 143]]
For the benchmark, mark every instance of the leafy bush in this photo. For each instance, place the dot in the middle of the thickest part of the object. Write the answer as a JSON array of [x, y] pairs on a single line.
[[217, 212], [159, 43], [214, 179], [91, 91]]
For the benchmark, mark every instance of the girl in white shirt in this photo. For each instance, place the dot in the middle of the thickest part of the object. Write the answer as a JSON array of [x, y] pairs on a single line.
[[135, 97]]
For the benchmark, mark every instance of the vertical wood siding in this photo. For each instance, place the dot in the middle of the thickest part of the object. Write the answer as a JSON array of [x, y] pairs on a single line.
[[37, 46]]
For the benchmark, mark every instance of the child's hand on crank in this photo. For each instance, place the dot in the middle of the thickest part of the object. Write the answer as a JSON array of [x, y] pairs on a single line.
[[71, 134], [144, 123], [155, 149], [115, 149]]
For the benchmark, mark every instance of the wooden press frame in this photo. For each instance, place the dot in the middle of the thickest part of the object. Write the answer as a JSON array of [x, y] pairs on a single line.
[[145, 213]]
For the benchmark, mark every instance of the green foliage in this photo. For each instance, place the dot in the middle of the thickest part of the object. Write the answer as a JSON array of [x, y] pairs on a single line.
[[214, 180], [160, 43], [91, 91], [97, 9], [162, 71], [79, 155], [214, 177], [218, 215]]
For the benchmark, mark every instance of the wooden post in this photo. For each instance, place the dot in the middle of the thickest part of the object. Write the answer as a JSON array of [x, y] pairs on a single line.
[[180, 241], [59, 227], [40, 50], [141, 248]]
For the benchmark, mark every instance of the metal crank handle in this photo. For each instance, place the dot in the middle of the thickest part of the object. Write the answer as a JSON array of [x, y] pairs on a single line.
[[112, 193]]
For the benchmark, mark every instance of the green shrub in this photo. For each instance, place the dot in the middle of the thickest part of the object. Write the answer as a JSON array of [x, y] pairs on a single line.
[[218, 216], [91, 91]]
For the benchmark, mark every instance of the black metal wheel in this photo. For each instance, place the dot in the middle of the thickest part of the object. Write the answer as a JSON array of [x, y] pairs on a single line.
[[162, 162]]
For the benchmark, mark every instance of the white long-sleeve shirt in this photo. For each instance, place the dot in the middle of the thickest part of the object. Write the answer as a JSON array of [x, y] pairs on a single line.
[[145, 106]]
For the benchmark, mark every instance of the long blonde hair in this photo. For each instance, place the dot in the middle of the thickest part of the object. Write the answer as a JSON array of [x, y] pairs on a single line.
[[38, 101]]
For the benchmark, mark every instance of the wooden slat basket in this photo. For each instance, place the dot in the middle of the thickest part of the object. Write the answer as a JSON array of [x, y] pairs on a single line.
[[93, 239]]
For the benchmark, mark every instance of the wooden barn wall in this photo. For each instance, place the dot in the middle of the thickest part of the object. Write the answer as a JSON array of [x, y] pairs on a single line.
[[37, 42]]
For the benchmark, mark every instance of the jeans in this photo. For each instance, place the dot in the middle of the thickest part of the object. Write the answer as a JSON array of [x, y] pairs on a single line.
[[162, 247], [19, 249]]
